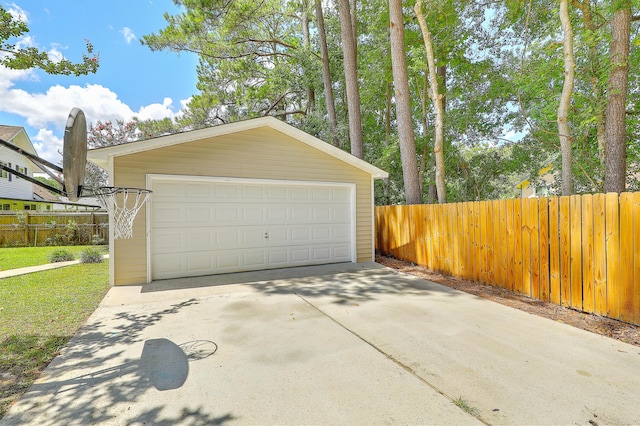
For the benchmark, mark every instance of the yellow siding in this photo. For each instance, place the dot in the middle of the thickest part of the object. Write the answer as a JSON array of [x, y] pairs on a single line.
[[260, 154]]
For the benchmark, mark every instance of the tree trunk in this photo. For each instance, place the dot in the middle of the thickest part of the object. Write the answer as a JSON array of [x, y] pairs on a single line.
[[354, 25], [615, 113], [565, 100], [304, 18], [437, 99], [430, 168], [441, 72], [351, 79], [412, 187], [387, 137], [326, 75]]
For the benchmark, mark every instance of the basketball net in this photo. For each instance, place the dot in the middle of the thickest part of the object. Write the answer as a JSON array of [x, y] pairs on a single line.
[[123, 205]]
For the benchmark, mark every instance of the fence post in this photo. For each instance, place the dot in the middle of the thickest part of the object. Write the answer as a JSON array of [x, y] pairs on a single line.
[[26, 228]]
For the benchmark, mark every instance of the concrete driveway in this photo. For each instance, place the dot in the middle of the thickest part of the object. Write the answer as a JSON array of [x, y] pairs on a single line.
[[335, 344]]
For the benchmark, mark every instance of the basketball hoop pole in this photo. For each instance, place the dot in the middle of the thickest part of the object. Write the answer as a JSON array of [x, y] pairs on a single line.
[[40, 162], [34, 181]]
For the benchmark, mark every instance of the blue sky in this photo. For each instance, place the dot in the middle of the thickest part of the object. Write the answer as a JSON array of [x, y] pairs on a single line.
[[131, 81]]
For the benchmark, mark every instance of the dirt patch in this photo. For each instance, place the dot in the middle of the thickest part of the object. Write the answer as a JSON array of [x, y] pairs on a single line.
[[615, 329]]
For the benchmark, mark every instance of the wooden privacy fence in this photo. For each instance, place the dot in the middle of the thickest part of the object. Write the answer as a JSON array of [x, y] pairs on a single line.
[[32, 228], [581, 252]]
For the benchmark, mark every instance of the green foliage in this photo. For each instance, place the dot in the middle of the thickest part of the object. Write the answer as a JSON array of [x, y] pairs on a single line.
[[251, 59], [464, 405], [91, 255], [61, 255], [501, 74], [23, 58]]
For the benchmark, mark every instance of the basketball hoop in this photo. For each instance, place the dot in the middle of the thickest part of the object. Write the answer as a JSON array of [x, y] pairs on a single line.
[[123, 205]]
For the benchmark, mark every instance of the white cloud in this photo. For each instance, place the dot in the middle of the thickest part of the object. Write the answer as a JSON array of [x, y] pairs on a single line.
[[55, 55], [48, 111], [156, 111], [17, 13], [128, 34], [48, 145]]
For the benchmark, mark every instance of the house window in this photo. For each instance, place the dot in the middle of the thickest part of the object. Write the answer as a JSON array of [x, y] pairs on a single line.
[[6, 207], [33, 207], [22, 170], [3, 173]]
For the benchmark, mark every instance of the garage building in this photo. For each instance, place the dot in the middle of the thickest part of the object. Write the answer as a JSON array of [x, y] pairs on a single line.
[[251, 195]]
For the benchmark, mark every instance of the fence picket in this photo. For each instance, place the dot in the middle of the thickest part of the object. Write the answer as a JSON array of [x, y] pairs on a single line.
[[612, 224], [483, 240], [555, 274], [511, 258], [576, 252], [588, 280], [526, 247], [543, 226], [535, 249], [626, 257], [518, 272], [503, 248], [599, 255], [635, 213], [565, 252]]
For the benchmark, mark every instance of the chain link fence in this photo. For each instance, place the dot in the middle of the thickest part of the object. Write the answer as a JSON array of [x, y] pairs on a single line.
[[32, 229]]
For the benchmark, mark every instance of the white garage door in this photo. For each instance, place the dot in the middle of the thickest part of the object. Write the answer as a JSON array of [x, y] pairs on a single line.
[[213, 226]]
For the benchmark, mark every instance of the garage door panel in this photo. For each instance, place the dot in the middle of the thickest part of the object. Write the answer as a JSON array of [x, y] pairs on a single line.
[[168, 265], [253, 192], [198, 214], [253, 214], [226, 190], [299, 193], [252, 237], [198, 240], [302, 254], [341, 252], [342, 233], [276, 193], [200, 228], [278, 258], [197, 190], [165, 215], [254, 259], [342, 213], [277, 214], [227, 260], [199, 262], [322, 194]]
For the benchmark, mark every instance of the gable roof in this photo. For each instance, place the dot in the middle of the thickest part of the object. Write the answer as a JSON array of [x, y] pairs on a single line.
[[17, 136], [8, 132], [102, 156]]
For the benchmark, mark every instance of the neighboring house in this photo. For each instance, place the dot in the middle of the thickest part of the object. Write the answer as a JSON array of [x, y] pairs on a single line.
[[20, 194], [11, 186], [245, 196], [539, 188]]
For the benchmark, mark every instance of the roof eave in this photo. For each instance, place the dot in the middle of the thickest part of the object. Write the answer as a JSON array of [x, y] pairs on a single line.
[[102, 156]]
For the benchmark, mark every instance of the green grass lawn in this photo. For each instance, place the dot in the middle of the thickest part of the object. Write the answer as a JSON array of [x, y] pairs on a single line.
[[21, 257], [39, 313]]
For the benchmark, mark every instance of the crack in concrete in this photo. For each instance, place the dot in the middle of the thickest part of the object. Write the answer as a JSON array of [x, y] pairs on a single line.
[[387, 355]]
